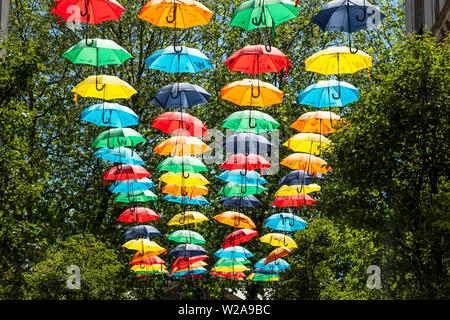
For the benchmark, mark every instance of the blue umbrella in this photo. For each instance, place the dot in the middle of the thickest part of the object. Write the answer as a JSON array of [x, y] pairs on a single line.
[[297, 177], [198, 270], [198, 200], [119, 155], [187, 250], [141, 231], [246, 143], [325, 94], [132, 185], [242, 177], [247, 201], [285, 222], [233, 252], [267, 271], [180, 95], [279, 264], [110, 114], [179, 59]]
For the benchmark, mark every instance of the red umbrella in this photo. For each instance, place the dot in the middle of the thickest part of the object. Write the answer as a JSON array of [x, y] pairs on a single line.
[[230, 275], [239, 236], [138, 215], [169, 122], [149, 261], [258, 59], [185, 261], [241, 161], [126, 172], [295, 200], [89, 11]]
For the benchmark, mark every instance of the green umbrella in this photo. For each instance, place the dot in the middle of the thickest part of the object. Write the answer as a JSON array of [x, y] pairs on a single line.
[[137, 196], [184, 163], [118, 137], [263, 13], [187, 236], [250, 121], [232, 189], [226, 262], [97, 52]]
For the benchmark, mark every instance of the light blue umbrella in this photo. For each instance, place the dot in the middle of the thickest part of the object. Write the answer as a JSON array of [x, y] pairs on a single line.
[[233, 252], [132, 185], [119, 155], [279, 264], [325, 94], [242, 177], [267, 271], [180, 59], [285, 222], [110, 114], [198, 200]]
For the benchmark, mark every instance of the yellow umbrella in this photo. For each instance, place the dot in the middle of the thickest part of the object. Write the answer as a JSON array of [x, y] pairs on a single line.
[[181, 14], [184, 191], [189, 179], [251, 92], [181, 146], [322, 122], [143, 245], [297, 189], [337, 60], [103, 87], [278, 240], [307, 162], [235, 268], [307, 142], [186, 218], [147, 267]]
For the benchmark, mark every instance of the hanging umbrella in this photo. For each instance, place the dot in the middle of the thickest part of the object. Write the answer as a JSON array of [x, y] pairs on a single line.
[[297, 177], [239, 236], [168, 122], [247, 201], [119, 155], [181, 190], [141, 256], [141, 231], [132, 185], [190, 272], [187, 236], [272, 272], [297, 189], [232, 189], [180, 95], [247, 143], [262, 277], [181, 14], [258, 59], [325, 94], [178, 59], [235, 268], [185, 261], [90, 11], [235, 219], [233, 252], [187, 218], [251, 92], [277, 254], [198, 200], [142, 244], [187, 250], [230, 275], [110, 115], [263, 14], [322, 122], [126, 172], [179, 164], [150, 261], [136, 196], [227, 262], [308, 143], [242, 177], [306, 162], [250, 121], [181, 146], [186, 179], [279, 264], [148, 268], [287, 222], [118, 137], [278, 240], [296, 200], [246, 162], [103, 87], [192, 266], [139, 215]]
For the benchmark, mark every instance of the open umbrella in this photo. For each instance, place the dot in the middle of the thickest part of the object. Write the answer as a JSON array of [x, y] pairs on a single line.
[[263, 277], [322, 122], [247, 143], [306, 162], [295, 200], [280, 264], [150, 261], [187, 218], [231, 262], [168, 122], [297, 189], [136, 196], [325, 94], [187, 250], [179, 164], [187, 236], [181, 146], [297, 177], [235, 219], [118, 137], [188, 267], [247, 201], [312, 143], [178, 59], [141, 231], [185, 261], [141, 256], [181, 190], [233, 252], [242, 177], [247, 162], [103, 87], [287, 222], [119, 155], [139, 215], [143, 245], [251, 92], [230, 275], [232, 189], [278, 240], [277, 254], [132, 185], [185, 179], [198, 200], [239, 236], [126, 172], [110, 114], [234, 268], [250, 121], [180, 95], [195, 271]]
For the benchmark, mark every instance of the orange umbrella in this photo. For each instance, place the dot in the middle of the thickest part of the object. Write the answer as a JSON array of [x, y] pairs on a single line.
[[278, 253], [191, 266], [235, 219], [322, 122], [141, 256], [181, 146], [251, 92], [180, 190], [307, 162]]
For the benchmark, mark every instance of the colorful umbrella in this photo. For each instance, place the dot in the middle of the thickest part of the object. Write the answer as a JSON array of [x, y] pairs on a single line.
[[312, 143], [150, 261], [306, 162], [190, 272], [118, 137], [242, 177], [247, 201], [126, 172], [141, 231], [132, 185], [247, 143], [168, 122], [142, 244], [192, 266], [232, 189], [141, 256], [251, 92], [325, 94], [185, 261], [233, 252], [226, 262], [235, 219], [279, 264], [297, 189], [179, 59], [198, 200], [180, 95], [139, 215], [148, 268], [103, 87], [250, 121], [180, 164], [187, 218], [187, 250], [187, 236], [119, 155], [185, 179], [322, 122], [110, 115], [230, 275], [296, 200], [277, 254], [239, 236], [287, 222], [234, 268], [297, 177], [273, 272], [136, 196], [181, 146], [262, 277], [246, 162], [181, 190], [278, 240]]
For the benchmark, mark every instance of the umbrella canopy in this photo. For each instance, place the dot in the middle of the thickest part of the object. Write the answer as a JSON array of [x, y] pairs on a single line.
[[118, 137], [185, 261], [181, 190], [242, 177], [187, 250], [178, 60], [187, 218], [232, 189], [141, 231], [263, 277], [263, 14], [258, 59], [90, 11], [297, 189], [119, 155], [143, 245], [285, 222], [131, 185], [141, 256], [329, 93], [139, 215], [251, 92], [239, 236], [247, 143], [226, 262], [126, 172], [187, 236], [230, 275], [150, 261], [168, 122], [247, 201], [180, 95], [235, 219], [181, 14], [97, 52], [190, 272], [246, 162], [279, 264], [277, 254], [312, 143], [296, 200], [191, 266], [297, 177], [180, 164], [233, 252], [278, 240], [186, 179], [135, 196], [273, 272], [198, 200], [181, 146], [322, 122], [110, 115], [234, 268], [250, 121], [149, 268], [306, 162], [104, 87]]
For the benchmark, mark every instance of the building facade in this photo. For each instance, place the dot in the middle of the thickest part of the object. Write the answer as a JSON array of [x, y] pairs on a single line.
[[428, 15]]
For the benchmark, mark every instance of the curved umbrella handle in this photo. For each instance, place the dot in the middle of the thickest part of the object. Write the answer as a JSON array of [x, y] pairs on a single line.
[[245, 188], [258, 22], [103, 116], [293, 222], [182, 218], [183, 191], [250, 123], [259, 92], [339, 92], [284, 241], [238, 220], [350, 45], [96, 84], [245, 173], [176, 50], [365, 13], [174, 14], [275, 262], [86, 4]]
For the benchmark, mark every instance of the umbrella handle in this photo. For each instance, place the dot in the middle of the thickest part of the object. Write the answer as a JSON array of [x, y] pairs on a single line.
[[365, 13], [96, 84], [339, 89], [259, 92], [182, 217], [299, 191], [250, 123], [293, 222], [245, 188], [238, 221], [245, 173], [254, 20], [176, 50], [183, 191], [103, 116], [284, 241], [86, 4], [174, 14], [185, 177], [275, 262]]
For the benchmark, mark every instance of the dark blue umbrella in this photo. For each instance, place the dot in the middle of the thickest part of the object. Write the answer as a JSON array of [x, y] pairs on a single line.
[[297, 177], [180, 95], [247, 143], [142, 231], [247, 201], [187, 250], [267, 271]]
